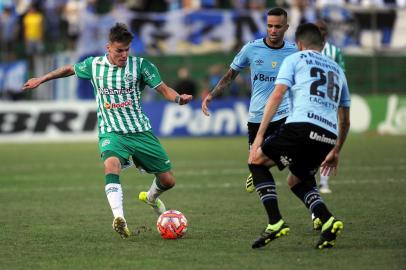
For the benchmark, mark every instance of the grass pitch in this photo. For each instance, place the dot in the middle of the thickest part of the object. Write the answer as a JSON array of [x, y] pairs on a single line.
[[55, 214]]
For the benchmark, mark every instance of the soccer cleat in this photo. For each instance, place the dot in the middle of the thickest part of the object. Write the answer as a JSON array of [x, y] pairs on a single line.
[[158, 205], [329, 232], [325, 189], [120, 226], [249, 184], [271, 233], [317, 224]]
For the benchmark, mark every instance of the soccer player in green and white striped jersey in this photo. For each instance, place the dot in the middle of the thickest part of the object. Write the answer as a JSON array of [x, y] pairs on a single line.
[[335, 54], [124, 130], [330, 50]]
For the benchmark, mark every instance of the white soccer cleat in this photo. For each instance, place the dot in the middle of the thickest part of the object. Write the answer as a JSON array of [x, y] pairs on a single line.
[[158, 205]]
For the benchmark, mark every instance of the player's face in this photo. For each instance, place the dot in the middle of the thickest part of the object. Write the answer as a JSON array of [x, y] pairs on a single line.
[[118, 53], [276, 28]]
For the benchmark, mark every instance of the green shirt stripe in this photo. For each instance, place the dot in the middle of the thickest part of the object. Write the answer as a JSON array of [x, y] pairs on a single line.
[[118, 92]]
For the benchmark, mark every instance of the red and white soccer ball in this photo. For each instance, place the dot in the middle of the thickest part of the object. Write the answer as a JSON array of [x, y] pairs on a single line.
[[172, 224]]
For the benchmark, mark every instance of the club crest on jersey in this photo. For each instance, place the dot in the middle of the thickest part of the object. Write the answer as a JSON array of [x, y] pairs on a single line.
[[128, 77], [274, 64]]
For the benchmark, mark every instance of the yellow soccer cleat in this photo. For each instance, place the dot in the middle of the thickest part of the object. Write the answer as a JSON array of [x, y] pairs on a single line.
[[120, 226], [329, 232], [249, 184], [158, 205]]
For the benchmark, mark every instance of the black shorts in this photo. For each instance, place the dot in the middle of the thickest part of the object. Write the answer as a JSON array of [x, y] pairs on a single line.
[[300, 146], [253, 130]]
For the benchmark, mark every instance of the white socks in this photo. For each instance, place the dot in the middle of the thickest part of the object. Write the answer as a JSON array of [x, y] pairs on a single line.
[[115, 197], [154, 191], [324, 180]]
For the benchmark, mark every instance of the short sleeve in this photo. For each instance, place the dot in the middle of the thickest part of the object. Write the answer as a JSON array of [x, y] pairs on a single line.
[[150, 74], [84, 69], [241, 60], [345, 100]]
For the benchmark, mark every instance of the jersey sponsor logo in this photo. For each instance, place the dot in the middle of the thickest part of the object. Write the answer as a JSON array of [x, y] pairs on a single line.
[[321, 119], [321, 138], [274, 64], [259, 62], [264, 78], [108, 91], [123, 104]]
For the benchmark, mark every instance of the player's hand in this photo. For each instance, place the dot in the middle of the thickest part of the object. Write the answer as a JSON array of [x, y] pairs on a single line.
[[32, 83], [330, 163], [185, 99], [254, 148], [205, 104]]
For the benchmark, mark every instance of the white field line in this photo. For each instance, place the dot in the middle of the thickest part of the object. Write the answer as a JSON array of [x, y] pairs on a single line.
[[238, 183]]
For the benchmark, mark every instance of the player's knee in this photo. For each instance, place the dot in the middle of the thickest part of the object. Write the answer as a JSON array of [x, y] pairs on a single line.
[[166, 179], [112, 165]]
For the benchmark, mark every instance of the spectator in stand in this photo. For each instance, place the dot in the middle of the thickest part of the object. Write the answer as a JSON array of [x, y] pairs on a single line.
[[33, 29], [8, 33], [54, 36]]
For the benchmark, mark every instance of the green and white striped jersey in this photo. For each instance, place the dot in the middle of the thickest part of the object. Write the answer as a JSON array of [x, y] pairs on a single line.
[[118, 92], [334, 53]]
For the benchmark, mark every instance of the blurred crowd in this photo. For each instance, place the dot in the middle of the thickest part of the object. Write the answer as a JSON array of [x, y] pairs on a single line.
[[30, 28]]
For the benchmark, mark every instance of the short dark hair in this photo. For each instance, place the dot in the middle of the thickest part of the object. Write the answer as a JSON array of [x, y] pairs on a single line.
[[309, 34], [120, 33], [277, 11]]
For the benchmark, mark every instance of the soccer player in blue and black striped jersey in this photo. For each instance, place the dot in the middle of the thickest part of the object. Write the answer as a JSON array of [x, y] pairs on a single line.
[[312, 136], [264, 57]]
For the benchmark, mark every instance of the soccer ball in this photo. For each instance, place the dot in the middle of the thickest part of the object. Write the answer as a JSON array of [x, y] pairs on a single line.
[[172, 224]]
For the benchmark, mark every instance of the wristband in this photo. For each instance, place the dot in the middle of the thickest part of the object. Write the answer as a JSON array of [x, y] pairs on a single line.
[[177, 99]]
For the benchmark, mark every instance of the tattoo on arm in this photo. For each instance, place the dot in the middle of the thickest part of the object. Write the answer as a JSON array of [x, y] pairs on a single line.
[[224, 82], [61, 72]]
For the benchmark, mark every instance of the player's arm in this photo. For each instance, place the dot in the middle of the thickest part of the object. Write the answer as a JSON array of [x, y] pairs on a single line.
[[330, 163], [224, 82], [61, 72], [271, 107], [170, 94]]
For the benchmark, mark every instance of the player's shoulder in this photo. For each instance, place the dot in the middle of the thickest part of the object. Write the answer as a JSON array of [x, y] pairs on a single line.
[[290, 45], [255, 43]]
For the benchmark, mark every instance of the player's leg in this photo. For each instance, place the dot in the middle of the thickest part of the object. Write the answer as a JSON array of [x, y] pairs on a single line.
[[304, 168], [266, 189], [149, 154], [324, 187], [114, 157], [114, 192], [292, 181], [161, 183], [252, 133]]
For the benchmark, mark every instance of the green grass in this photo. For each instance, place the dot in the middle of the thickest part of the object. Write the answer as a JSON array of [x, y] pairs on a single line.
[[54, 213]]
